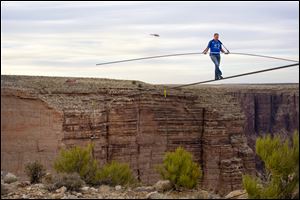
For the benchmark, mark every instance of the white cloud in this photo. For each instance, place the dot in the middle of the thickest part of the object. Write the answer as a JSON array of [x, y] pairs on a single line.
[[69, 38]]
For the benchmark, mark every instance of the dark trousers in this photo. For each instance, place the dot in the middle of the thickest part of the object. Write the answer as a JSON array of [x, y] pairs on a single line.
[[216, 58]]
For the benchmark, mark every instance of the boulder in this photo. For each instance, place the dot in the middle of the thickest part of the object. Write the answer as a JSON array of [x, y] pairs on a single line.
[[163, 185], [104, 189], [118, 187], [78, 194], [39, 186], [155, 195], [61, 190], [144, 189], [38, 193], [93, 189], [237, 194], [85, 188]]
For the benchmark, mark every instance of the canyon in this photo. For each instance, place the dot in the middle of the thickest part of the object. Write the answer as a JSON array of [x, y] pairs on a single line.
[[133, 122]]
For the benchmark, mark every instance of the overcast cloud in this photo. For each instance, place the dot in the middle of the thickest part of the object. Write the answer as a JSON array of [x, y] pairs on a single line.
[[69, 38]]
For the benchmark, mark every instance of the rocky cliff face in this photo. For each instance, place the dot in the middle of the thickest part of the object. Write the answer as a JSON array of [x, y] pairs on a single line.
[[271, 109], [130, 122]]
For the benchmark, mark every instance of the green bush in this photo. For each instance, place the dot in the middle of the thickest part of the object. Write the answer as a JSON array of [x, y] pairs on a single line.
[[281, 159], [79, 160], [116, 173], [35, 171], [71, 181], [178, 167], [252, 186]]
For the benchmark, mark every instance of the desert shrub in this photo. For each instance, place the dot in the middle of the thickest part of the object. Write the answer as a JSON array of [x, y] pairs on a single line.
[[10, 178], [178, 167], [78, 160], [35, 171], [71, 181], [281, 159], [116, 173], [252, 186]]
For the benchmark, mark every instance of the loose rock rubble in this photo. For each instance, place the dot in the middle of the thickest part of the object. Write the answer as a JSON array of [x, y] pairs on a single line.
[[161, 190]]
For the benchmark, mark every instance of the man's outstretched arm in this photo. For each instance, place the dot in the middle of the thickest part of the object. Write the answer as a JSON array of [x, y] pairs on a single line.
[[205, 50], [222, 50]]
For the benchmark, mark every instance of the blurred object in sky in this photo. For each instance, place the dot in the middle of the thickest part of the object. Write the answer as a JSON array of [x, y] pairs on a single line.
[[155, 35]]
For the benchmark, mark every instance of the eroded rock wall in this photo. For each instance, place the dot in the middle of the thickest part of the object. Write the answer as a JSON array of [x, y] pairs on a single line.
[[136, 130], [269, 112], [30, 130]]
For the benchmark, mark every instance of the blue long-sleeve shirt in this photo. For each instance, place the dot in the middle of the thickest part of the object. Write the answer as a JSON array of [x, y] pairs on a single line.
[[215, 46]]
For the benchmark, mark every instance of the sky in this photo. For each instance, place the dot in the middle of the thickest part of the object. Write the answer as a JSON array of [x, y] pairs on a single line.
[[70, 38]]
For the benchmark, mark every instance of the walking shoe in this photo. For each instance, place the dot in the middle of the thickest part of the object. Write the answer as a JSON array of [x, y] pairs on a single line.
[[220, 77]]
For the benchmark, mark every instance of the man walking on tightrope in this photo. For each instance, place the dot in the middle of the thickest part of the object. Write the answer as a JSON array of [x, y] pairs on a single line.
[[215, 46]]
